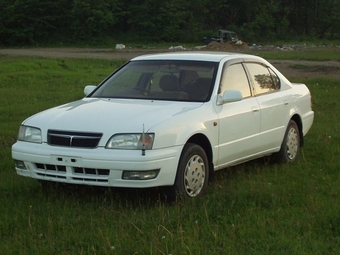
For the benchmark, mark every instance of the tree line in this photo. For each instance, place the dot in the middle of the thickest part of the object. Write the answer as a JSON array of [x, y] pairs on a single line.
[[30, 22]]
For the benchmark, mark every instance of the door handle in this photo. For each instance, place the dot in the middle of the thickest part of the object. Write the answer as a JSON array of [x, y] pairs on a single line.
[[255, 109]]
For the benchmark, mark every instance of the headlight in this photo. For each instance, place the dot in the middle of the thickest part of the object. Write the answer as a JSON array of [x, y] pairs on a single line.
[[29, 134], [131, 141]]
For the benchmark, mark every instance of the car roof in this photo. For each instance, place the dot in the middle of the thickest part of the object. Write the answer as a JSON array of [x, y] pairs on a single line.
[[196, 56]]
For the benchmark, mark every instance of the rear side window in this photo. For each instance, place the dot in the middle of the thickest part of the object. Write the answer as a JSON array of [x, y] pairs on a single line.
[[264, 79]]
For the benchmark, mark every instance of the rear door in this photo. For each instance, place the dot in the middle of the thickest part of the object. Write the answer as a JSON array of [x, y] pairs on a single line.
[[274, 104]]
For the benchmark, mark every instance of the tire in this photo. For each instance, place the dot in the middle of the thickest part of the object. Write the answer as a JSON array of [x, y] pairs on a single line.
[[291, 144], [192, 173]]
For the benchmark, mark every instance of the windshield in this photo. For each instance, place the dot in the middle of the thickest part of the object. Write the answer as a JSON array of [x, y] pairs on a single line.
[[161, 80]]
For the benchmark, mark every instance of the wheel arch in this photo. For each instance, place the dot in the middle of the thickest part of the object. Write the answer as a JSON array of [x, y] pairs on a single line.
[[298, 122], [204, 142]]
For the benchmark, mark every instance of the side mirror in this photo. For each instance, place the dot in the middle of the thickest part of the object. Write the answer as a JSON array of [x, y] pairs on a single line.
[[88, 89], [229, 96]]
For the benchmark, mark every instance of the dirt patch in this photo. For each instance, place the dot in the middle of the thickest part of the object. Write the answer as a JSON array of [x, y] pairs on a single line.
[[290, 68], [308, 69]]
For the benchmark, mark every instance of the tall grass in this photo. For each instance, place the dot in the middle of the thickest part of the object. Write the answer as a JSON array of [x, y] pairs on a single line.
[[254, 208]]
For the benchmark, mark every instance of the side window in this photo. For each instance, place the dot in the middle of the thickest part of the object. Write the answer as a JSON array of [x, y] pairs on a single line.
[[234, 78], [264, 79]]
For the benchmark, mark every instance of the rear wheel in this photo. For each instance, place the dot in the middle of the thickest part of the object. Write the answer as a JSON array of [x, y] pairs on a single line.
[[291, 144], [192, 173]]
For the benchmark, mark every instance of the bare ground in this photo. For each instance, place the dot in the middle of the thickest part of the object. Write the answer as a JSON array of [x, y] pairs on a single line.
[[290, 68]]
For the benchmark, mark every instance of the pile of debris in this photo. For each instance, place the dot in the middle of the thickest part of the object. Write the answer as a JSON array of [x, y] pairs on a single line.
[[227, 46]]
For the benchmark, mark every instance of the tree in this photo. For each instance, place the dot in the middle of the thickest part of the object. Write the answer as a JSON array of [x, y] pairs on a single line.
[[32, 22], [92, 18]]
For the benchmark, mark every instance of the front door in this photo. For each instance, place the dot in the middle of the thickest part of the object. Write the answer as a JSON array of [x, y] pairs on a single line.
[[239, 122]]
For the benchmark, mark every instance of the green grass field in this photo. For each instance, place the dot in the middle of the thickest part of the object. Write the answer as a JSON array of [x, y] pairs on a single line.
[[254, 208]]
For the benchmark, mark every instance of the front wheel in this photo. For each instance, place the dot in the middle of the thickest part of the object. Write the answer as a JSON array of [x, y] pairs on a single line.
[[192, 173], [291, 143]]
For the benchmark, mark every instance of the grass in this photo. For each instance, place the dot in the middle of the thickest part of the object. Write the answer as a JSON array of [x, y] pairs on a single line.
[[254, 208]]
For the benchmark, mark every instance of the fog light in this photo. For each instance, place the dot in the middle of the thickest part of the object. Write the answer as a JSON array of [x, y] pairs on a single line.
[[140, 175], [20, 164]]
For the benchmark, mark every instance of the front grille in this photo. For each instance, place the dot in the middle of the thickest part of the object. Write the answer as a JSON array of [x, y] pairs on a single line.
[[73, 139], [49, 167], [76, 173], [51, 171], [90, 174], [91, 171]]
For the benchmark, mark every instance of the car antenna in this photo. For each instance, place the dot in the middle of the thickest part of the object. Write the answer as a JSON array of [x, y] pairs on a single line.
[[143, 139]]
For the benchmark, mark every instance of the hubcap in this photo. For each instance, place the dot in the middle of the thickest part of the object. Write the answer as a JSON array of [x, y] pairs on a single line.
[[194, 176], [292, 143]]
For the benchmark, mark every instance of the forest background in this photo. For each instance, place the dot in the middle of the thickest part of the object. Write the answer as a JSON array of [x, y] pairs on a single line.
[[69, 22]]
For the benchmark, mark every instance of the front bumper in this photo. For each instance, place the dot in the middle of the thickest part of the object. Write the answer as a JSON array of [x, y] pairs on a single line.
[[99, 167]]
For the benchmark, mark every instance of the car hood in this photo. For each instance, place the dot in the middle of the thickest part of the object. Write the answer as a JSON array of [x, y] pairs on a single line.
[[109, 115]]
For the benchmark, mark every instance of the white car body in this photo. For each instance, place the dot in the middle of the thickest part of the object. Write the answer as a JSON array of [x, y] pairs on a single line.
[[230, 131]]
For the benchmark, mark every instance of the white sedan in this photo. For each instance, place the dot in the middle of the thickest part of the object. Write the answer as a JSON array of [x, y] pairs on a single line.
[[168, 119]]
